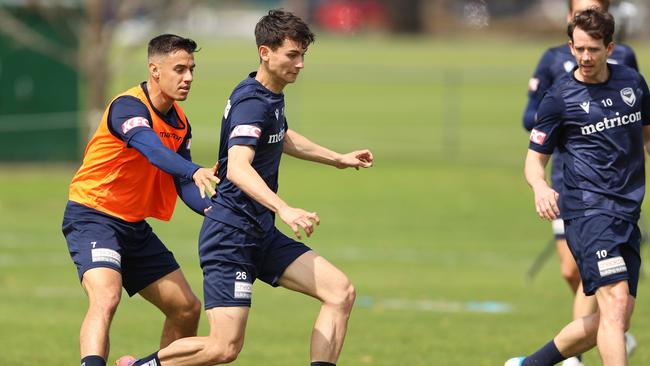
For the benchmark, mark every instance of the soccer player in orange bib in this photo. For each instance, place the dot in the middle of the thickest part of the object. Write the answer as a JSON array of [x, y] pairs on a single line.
[[134, 166]]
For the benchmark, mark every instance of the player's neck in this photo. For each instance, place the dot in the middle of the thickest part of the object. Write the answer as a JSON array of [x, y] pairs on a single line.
[[600, 77], [160, 101], [269, 81]]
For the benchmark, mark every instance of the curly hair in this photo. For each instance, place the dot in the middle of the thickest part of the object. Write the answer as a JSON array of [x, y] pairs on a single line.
[[596, 23]]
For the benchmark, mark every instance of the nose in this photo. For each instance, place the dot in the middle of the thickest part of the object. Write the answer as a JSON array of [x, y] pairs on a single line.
[[301, 63], [188, 76]]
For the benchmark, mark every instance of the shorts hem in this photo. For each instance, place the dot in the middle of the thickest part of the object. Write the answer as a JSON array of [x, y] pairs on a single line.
[[83, 270], [609, 281], [227, 304], [274, 282], [142, 286]]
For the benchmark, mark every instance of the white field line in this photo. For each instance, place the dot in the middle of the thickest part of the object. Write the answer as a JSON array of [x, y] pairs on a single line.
[[438, 306]]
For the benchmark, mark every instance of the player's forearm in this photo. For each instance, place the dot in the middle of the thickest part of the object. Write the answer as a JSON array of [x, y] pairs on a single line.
[[189, 193], [250, 182], [534, 170], [149, 145], [301, 147]]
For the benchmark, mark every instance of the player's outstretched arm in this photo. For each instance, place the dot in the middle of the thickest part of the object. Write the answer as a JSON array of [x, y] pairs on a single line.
[[301, 147], [545, 197], [243, 175]]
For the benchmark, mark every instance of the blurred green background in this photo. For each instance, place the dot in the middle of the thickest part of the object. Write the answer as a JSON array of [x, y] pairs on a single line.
[[437, 237]]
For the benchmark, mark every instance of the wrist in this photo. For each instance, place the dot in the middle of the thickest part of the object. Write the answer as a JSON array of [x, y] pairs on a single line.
[[280, 206], [537, 185], [192, 171]]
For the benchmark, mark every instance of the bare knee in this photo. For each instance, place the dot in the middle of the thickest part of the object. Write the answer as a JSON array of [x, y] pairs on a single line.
[[219, 353], [342, 297], [618, 310], [105, 302], [187, 313]]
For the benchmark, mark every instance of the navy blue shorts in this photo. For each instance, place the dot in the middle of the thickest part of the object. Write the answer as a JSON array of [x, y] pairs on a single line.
[[606, 250], [233, 259], [96, 239]]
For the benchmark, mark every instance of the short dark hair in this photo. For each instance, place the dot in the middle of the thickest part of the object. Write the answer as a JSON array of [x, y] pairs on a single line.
[[596, 23], [604, 5], [273, 28], [167, 43]]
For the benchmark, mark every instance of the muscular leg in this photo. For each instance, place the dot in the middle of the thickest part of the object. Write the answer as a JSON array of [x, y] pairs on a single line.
[[579, 336], [311, 274], [568, 266], [227, 327], [103, 287], [616, 306], [583, 305], [174, 297]]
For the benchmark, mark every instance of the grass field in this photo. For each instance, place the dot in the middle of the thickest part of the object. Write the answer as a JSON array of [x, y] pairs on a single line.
[[437, 237]]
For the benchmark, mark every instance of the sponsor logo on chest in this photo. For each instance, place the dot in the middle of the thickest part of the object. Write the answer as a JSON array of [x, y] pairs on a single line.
[[277, 137], [170, 135], [608, 123]]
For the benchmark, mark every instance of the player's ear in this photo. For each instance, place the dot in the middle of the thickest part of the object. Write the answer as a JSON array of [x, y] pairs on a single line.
[[610, 48], [264, 52], [153, 70], [573, 52]]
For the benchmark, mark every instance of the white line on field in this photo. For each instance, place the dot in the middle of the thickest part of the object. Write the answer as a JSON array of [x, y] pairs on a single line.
[[438, 306]]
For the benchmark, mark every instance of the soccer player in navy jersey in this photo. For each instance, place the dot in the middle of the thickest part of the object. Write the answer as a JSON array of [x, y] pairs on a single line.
[[598, 117], [555, 63], [239, 242], [134, 167]]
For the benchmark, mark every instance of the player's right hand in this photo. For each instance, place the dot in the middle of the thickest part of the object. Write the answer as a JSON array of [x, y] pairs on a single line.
[[298, 218], [546, 202], [205, 179]]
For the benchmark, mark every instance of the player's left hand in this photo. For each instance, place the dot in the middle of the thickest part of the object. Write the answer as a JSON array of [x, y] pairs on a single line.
[[297, 219], [355, 159], [205, 179]]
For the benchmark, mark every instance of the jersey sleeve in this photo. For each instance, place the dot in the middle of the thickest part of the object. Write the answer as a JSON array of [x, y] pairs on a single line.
[[545, 136], [247, 122], [541, 81], [148, 144], [128, 115], [186, 189], [190, 195]]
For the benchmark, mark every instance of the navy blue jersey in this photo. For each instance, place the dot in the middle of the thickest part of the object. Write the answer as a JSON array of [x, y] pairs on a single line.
[[254, 116], [598, 130], [557, 62], [554, 64]]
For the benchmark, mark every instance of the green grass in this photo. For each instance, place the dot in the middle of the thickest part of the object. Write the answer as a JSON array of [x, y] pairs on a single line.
[[444, 216]]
